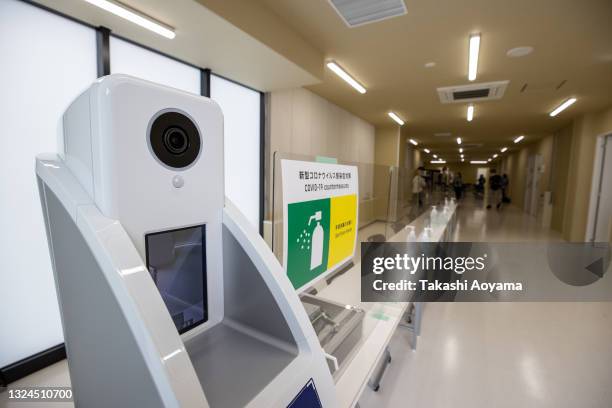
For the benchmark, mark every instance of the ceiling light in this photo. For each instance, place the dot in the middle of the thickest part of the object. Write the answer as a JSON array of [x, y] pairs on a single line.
[[414, 142], [470, 113], [495, 156], [134, 16], [489, 160], [438, 161], [473, 63], [426, 150], [435, 156], [562, 107], [458, 140], [503, 149], [519, 52], [518, 139], [349, 79], [478, 161], [462, 160], [462, 156], [396, 118], [461, 150]]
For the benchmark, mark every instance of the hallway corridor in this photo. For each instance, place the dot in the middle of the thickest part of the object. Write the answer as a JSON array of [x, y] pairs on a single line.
[[501, 355]]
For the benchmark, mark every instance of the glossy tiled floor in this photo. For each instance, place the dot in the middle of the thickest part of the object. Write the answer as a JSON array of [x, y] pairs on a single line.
[[502, 354]]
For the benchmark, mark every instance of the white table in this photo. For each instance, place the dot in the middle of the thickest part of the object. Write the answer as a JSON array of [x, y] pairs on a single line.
[[380, 321]]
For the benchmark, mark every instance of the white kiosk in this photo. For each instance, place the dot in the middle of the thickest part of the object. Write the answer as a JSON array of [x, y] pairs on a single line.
[[168, 297]]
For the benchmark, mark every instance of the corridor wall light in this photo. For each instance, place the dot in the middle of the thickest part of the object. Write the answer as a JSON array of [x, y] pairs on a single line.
[[336, 69], [503, 149], [473, 56], [518, 139], [478, 161], [459, 141], [414, 142], [426, 150], [562, 107], [396, 118], [470, 113], [135, 17]]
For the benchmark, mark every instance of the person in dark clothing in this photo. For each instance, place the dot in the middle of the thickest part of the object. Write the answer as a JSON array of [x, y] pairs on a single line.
[[504, 188], [458, 186], [494, 189]]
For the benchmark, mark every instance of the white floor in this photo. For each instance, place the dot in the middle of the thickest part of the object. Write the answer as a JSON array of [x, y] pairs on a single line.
[[502, 354]]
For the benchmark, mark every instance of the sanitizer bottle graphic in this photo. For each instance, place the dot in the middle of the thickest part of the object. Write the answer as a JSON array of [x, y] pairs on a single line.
[[316, 246]]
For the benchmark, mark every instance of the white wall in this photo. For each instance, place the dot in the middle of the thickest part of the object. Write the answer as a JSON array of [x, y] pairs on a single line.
[[302, 122], [46, 61]]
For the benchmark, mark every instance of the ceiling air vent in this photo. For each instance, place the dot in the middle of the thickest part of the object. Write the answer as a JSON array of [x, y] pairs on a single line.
[[358, 12], [473, 92]]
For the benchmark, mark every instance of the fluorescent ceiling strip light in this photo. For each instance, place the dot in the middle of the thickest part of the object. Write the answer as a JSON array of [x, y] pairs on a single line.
[[458, 140], [495, 156], [503, 149], [562, 107], [518, 139], [346, 77], [489, 160], [435, 156], [414, 142], [470, 113], [426, 150], [437, 161], [461, 150], [134, 16], [473, 56], [396, 118], [478, 161]]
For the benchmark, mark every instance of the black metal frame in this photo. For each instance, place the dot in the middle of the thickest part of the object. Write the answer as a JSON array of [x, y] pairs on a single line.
[[45, 358]]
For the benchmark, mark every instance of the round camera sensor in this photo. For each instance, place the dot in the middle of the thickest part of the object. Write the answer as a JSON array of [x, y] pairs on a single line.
[[175, 139]]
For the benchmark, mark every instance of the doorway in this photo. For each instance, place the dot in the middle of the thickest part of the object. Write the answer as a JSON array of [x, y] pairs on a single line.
[[601, 221]]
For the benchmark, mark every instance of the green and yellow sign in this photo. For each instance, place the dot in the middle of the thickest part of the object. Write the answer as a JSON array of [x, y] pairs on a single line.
[[320, 219]]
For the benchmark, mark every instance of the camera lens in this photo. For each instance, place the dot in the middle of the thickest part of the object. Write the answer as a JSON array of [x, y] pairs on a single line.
[[176, 141]]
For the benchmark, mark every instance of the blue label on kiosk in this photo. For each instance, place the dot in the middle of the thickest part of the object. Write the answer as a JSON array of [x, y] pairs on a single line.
[[307, 397]]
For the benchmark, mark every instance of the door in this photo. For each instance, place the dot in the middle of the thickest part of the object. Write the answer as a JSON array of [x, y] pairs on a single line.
[[603, 213], [532, 183]]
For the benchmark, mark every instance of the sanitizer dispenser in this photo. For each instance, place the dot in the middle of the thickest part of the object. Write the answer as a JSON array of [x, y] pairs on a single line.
[[168, 297], [316, 254]]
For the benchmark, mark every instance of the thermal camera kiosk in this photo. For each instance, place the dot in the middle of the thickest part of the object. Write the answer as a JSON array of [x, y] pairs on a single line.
[[168, 296]]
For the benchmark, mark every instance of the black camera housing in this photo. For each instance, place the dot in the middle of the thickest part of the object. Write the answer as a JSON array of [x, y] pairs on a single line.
[[175, 139]]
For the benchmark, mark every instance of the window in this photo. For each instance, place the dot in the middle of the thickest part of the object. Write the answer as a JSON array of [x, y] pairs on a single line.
[[241, 113], [47, 61]]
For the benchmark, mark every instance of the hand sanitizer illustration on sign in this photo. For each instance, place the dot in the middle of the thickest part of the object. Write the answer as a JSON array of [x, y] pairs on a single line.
[[316, 253]]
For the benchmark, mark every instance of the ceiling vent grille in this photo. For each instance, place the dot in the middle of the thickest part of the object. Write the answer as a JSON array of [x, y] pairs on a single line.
[[358, 12], [473, 92]]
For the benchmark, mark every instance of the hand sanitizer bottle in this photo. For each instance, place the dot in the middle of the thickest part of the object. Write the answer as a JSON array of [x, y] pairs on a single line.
[[316, 254], [426, 234], [411, 234], [433, 217]]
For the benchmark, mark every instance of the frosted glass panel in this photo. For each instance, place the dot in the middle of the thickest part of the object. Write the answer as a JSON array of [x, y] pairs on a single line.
[[127, 58], [240, 107], [46, 62]]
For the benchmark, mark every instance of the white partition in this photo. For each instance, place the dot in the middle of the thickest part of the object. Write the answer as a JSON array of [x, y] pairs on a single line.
[[127, 58], [241, 113], [46, 61]]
